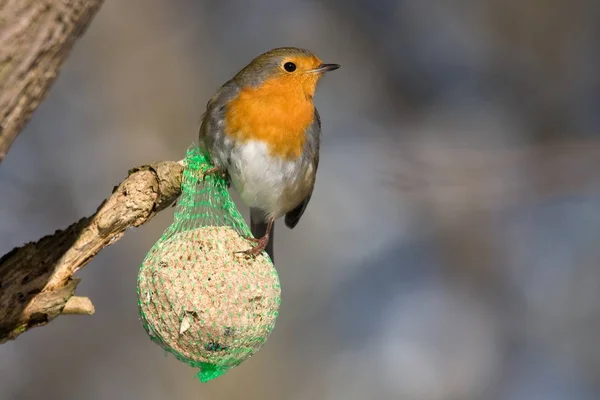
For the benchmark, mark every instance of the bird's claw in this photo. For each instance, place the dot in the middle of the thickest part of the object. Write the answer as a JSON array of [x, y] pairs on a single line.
[[261, 244], [251, 239], [215, 171]]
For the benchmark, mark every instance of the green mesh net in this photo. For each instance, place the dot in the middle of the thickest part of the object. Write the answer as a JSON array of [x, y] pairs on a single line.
[[198, 298]]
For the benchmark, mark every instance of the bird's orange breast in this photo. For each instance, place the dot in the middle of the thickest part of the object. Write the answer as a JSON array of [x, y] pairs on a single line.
[[277, 113]]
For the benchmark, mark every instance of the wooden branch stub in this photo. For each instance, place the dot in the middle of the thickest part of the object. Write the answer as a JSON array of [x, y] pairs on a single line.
[[36, 37], [36, 280], [79, 306]]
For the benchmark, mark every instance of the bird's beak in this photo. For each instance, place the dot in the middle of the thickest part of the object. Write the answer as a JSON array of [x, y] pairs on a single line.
[[325, 68]]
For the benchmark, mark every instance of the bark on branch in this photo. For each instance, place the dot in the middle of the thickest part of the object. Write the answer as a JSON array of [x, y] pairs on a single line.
[[36, 36], [36, 280]]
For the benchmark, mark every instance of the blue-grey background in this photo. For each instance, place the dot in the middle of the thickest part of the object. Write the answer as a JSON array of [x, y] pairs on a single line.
[[450, 251]]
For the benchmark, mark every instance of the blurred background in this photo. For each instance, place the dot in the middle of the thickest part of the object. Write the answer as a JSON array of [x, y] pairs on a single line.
[[451, 248]]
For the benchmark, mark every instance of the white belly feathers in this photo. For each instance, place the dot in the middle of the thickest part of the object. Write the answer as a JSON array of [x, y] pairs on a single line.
[[272, 184]]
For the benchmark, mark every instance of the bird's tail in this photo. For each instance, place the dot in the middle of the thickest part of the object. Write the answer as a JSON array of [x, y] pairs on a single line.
[[258, 226]]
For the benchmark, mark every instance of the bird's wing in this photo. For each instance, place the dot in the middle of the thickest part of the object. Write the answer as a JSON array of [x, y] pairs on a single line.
[[292, 217], [211, 127]]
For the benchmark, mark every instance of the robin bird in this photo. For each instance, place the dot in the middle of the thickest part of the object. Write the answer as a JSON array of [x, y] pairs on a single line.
[[262, 131]]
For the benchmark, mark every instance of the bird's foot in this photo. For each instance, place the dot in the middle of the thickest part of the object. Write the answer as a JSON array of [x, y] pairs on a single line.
[[251, 239], [261, 244], [216, 171]]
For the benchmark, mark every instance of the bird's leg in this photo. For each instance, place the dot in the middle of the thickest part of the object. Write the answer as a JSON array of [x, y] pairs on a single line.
[[261, 243]]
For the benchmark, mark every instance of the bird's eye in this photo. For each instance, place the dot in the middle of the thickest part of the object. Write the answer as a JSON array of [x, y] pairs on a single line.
[[289, 66]]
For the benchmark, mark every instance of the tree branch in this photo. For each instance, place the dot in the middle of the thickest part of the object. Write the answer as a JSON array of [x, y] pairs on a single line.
[[36, 280], [36, 37]]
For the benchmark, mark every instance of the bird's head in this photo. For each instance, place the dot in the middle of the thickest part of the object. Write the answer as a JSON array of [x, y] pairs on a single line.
[[285, 68]]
